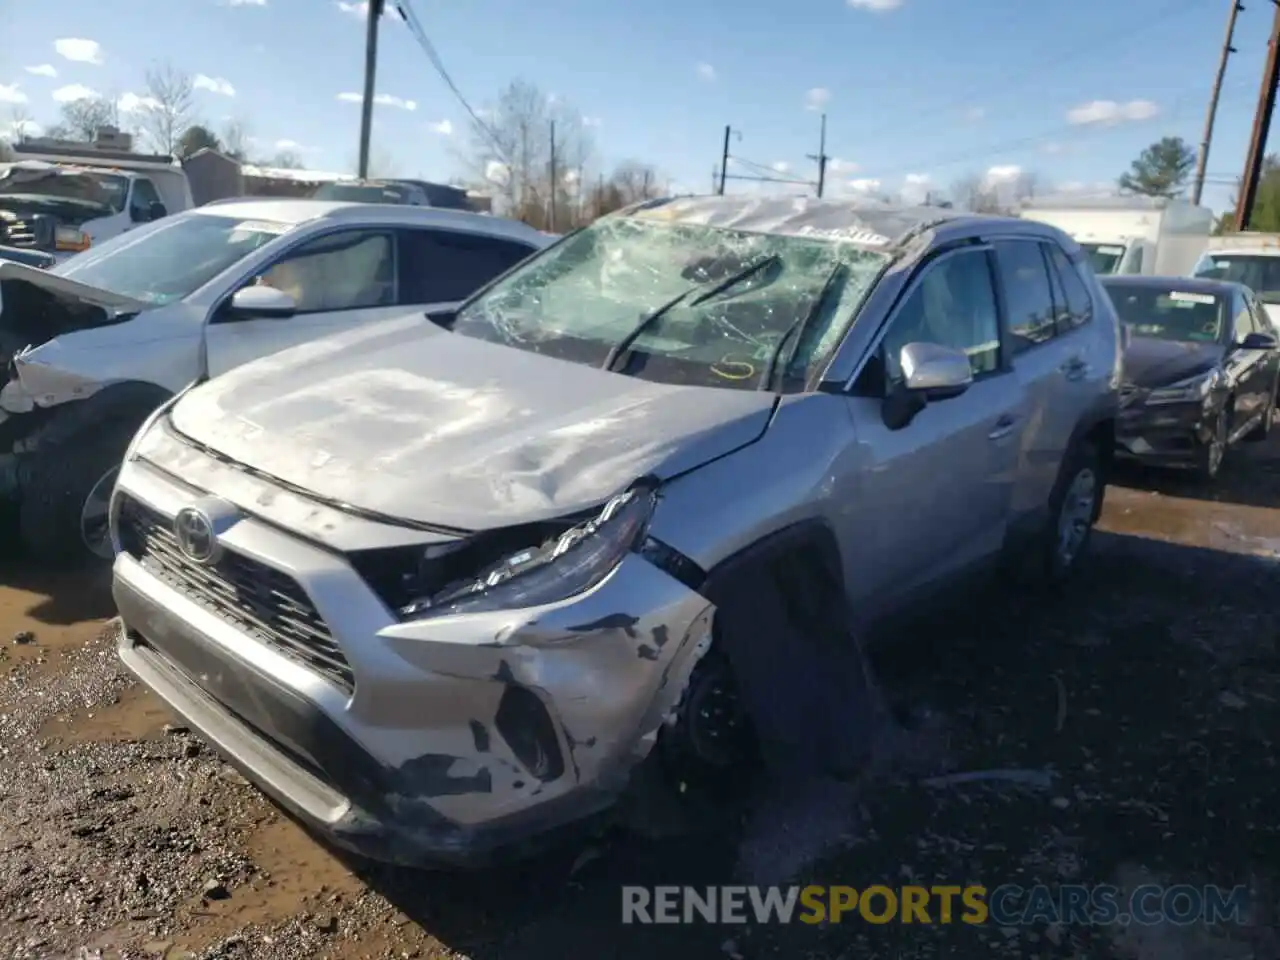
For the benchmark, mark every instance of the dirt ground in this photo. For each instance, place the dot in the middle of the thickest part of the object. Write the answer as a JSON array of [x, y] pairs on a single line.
[[1148, 690]]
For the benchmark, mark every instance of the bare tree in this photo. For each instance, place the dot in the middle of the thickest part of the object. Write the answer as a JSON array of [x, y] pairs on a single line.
[[630, 183], [286, 160], [981, 193], [169, 109], [235, 140], [82, 119], [511, 148], [21, 124]]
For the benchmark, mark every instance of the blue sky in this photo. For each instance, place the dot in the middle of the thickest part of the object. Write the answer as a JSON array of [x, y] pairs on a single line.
[[918, 92]]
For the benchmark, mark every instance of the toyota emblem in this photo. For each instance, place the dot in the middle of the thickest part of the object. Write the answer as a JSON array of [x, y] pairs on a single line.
[[195, 535]]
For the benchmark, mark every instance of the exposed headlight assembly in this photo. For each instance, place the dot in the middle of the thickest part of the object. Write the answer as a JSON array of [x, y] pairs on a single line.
[[1190, 390], [571, 563]]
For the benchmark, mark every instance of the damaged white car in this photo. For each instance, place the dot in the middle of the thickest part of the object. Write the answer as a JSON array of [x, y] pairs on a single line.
[[90, 347], [442, 589]]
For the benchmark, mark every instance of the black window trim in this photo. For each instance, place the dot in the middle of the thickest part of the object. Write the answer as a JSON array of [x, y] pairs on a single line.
[[1018, 347], [1066, 299]]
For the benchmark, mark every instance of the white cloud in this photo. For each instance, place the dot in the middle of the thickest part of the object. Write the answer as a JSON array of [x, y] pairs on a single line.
[[864, 185], [133, 103], [837, 166], [214, 85], [706, 71], [11, 94], [1003, 174], [592, 121], [1111, 112], [915, 187], [782, 167], [74, 91], [293, 145], [876, 6], [382, 99], [497, 173], [79, 50], [246, 3], [444, 128], [817, 98], [974, 114], [43, 70]]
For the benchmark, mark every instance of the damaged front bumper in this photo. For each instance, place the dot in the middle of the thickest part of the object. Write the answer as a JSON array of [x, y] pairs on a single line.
[[1165, 434], [441, 741]]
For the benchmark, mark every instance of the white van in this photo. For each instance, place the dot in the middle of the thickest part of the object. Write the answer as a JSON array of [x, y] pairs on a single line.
[[65, 206]]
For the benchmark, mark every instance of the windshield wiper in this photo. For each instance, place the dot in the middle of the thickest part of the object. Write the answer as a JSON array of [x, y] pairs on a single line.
[[647, 322], [797, 330]]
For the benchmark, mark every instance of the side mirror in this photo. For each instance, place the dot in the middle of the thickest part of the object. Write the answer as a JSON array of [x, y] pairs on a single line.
[[157, 210], [261, 303], [443, 318], [1258, 341], [930, 372], [934, 371]]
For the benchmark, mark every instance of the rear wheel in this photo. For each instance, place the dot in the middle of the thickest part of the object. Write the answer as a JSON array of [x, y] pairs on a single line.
[[1074, 507]]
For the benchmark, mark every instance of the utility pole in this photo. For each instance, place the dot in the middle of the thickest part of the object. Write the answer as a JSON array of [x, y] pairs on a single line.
[[1261, 126], [1202, 159], [724, 158], [551, 216], [822, 158], [370, 71]]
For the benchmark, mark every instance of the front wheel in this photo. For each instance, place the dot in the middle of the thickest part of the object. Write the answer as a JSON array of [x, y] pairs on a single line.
[[66, 494], [1210, 455]]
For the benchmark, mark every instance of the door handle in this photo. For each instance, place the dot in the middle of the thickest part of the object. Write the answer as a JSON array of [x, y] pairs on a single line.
[[1004, 426], [1074, 369]]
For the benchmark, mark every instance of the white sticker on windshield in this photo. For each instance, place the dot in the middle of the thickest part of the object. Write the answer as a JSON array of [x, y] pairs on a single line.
[[1111, 251], [1205, 298], [261, 226]]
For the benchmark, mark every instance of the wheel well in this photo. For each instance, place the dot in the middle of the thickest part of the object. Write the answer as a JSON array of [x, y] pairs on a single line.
[[129, 399], [1103, 437]]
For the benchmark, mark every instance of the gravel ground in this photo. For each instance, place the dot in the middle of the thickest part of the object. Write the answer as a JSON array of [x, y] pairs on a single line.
[[1149, 692]]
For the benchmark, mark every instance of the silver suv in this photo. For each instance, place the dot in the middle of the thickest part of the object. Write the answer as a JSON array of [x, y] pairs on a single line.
[[439, 585]]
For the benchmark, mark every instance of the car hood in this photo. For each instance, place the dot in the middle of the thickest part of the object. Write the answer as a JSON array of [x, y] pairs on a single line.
[[409, 421], [66, 287], [1150, 362]]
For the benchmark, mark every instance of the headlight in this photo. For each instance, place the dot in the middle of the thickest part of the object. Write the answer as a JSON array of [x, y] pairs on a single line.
[[71, 239], [570, 564], [1186, 391]]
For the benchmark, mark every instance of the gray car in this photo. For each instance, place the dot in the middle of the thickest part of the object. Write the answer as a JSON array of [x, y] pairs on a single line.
[[440, 585]]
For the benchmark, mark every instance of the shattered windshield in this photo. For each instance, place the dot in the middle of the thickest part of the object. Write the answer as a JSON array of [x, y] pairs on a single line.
[[171, 258], [1103, 257], [714, 306], [107, 191]]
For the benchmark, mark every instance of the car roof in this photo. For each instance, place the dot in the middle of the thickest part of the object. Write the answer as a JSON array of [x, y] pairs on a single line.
[[297, 211], [872, 224], [1183, 284]]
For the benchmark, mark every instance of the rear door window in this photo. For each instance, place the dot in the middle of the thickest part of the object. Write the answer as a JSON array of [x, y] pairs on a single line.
[[1074, 306], [444, 266]]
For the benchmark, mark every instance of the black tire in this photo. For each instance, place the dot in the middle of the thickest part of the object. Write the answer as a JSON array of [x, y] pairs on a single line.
[[1263, 430], [1211, 456], [1045, 563], [56, 482], [711, 741]]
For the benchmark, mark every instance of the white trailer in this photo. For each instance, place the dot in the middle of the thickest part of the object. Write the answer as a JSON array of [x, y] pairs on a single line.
[[1130, 234]]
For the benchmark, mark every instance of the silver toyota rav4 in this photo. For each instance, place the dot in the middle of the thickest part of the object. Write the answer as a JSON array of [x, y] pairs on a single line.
[[440, 585]]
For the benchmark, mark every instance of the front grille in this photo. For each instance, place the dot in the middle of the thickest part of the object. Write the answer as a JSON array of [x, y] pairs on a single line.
[[17, 233], [261, 601]]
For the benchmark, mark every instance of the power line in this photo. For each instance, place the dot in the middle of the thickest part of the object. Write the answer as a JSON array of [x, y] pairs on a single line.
[[1010, 146], [415, 27], [1094, 43]]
